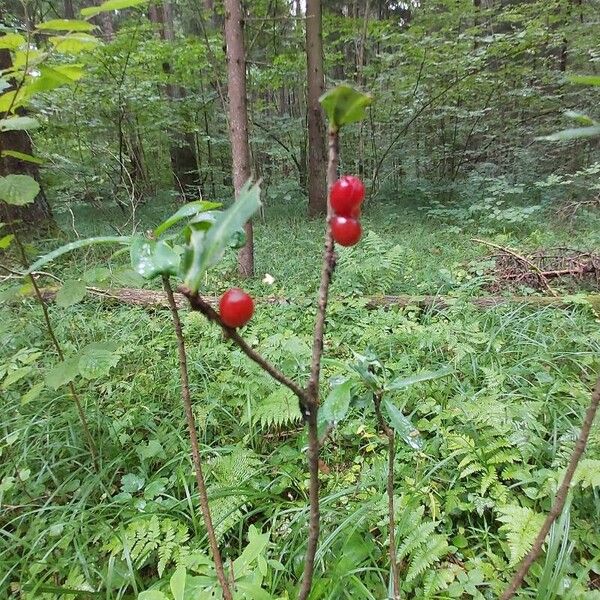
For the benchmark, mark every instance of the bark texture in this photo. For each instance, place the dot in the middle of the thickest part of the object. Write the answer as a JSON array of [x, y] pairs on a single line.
[[238, 118], [317, 160]]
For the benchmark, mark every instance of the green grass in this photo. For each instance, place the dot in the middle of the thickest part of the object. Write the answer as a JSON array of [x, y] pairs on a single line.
[[510, 411]]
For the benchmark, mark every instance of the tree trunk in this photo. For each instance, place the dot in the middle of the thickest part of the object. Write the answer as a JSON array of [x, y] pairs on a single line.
[[182, 146], [69, 11], [37, 214], [317, 160], [238, 117]]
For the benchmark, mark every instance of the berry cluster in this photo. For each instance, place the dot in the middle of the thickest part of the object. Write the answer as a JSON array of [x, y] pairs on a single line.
[[346, 196]]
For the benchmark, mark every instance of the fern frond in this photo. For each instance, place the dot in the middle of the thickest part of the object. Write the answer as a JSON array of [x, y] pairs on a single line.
[[521, 526], [430, 553]]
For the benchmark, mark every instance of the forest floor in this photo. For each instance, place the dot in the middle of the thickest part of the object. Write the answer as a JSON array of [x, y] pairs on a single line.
[[494, 435]]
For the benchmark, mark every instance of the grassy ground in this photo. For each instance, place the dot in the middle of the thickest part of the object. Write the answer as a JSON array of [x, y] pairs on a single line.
[[495, 434]]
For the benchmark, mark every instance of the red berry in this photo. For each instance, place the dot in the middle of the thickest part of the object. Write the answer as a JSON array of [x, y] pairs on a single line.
[[236, 307], [345, 230], [347, 193], [355, 212]]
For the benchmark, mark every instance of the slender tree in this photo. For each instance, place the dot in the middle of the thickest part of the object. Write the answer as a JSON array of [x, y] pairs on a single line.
[[238, 117], [317, 159]]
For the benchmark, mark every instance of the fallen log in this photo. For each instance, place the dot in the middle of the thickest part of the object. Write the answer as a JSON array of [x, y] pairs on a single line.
[[158, 300]]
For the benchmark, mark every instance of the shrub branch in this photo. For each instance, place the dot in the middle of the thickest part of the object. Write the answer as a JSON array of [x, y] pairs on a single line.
[[191, 424], [561, 497]]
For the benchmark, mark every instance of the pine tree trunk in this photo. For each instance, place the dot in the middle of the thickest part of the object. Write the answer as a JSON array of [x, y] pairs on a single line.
[[37, 214], [317, 159], [238, 117]]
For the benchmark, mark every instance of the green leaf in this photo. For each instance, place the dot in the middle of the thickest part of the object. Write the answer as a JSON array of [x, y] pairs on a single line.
[[18, 123], [74, 43], [150, 258], [22, 156], [177, 583], [66, 25], [403, 427], [257, 543], [16, 375], [47, 258], [252, 590], [206, 248], [344, 105], [132, 483], [579, 117], [32, 394], [97, 359], [64, 372], [18, 190], [187, 210], [12, 41], [72, 292], [336, 405], [5, 241], [572, 134], [10, 101], [585, 79], [111, 5], [403, 382], [152, 595]]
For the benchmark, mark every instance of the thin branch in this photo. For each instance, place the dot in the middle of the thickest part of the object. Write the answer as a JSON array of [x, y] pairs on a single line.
[[191, 423], [561, 496], [391, 436], [199, 304], [59, 351], [312, 407]]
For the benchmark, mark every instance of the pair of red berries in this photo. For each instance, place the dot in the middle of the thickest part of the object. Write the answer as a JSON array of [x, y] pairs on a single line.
[[346, 196]]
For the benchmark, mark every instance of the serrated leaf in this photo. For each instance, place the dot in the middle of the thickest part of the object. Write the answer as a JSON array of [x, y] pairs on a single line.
[[71, 292], [64, 372], [343, 105], [403, 427], [22, 156], [573, 134], [74, 43], [18, 190], [150, 258], [32, 394], [403, 382], [47, 258], [18, 123], [97, 359], [111, 5], [12, 41], [585, 79], [336, 405], [187, 210], [206, 248], [66, 25]]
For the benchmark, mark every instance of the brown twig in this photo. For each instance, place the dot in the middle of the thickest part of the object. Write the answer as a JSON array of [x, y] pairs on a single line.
[[191, 423], [561, 497], [530, 264], [312, 407], [198, 303], [59, 351], [391, 436]]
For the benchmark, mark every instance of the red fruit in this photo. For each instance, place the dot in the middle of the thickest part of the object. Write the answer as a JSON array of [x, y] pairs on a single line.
[[236, 307], [345, 230], [355, 212], [346, 195]]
